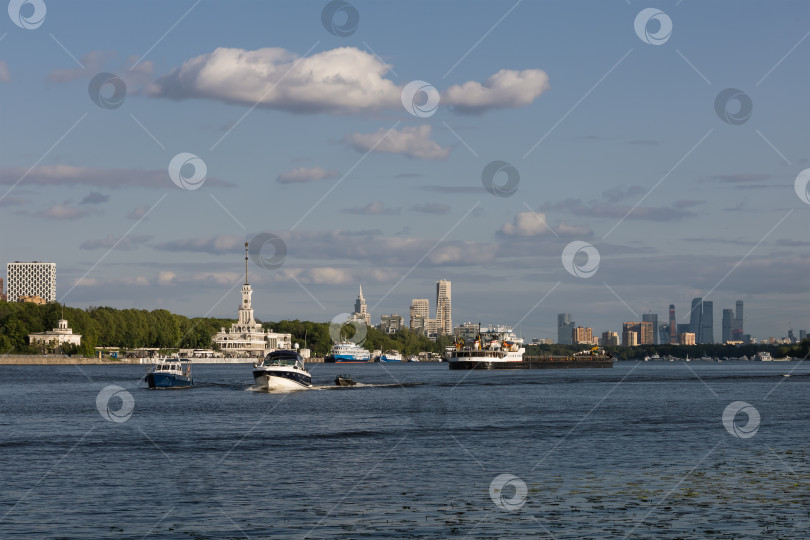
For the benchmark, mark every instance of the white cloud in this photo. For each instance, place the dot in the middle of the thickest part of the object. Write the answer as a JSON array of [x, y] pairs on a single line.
[[413, 142], [506, 89], [306, 174], [527, 224], [166, 277], [345, 79], [342, 80]]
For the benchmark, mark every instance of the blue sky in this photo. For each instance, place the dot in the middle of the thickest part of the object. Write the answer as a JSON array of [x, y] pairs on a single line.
[[303, 134]]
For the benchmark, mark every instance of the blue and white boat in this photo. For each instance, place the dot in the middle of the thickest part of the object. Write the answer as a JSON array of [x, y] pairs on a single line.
[[282, 370], [347, 352], [169, 373], [390, 356]]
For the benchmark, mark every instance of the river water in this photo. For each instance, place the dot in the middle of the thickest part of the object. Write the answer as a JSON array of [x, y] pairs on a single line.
[[638, 451]]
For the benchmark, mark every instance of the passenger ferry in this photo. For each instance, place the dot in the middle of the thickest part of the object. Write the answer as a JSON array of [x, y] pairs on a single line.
[[347, 352], [282, 370], [390, 356], [169, 373]]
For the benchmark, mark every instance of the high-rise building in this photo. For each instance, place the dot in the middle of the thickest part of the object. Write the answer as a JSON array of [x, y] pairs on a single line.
[[802, 335], [360, 310], [673, 326], [629, 337], [728, 322], [391, 324], [663, 334], [610, 339], [31, 279], [707, 322], [695, 322], [2, 290], [420, 312], [687, 338], [444, 318], [565, 327], [643, 330], [737, 322], [652, 318], [582, 335]]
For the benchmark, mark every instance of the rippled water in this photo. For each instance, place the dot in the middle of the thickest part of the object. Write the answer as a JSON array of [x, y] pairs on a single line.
[[636, 451]]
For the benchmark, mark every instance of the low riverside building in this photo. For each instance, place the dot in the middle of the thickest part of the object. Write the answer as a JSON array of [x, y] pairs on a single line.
[[56, 337], [246, 337]]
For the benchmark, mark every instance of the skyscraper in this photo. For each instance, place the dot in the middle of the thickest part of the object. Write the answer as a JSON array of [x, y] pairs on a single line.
[[444, 318], [565, 328], [728, 321], [673, 326], [31, 279], [652, 318], [420, 312], [360, 311], [707, 322], [737, 323], [695, 322]]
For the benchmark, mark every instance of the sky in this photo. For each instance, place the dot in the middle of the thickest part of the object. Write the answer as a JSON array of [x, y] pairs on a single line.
[[604, 159]]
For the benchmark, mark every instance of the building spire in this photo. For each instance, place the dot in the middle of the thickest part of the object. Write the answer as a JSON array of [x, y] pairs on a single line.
[[246, 263]]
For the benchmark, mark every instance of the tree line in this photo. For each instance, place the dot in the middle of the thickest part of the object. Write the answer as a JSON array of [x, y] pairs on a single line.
[[136, 328]]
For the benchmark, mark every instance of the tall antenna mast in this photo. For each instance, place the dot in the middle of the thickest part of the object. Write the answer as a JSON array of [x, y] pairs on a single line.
[[246, 263]]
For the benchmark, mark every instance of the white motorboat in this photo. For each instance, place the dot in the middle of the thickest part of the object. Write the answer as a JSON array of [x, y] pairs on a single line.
[[282, 370]]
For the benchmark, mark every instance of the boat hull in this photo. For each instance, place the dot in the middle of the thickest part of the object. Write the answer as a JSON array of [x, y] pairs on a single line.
[[168, 380], [337, 359], [281, 380], [531, 364]]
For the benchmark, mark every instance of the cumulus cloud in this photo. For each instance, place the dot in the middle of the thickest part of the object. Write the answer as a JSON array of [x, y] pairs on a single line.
[[62, 211], [71, 175], [414, 142], [5, 76], [506, 89], [345, 80], [342, 80], [95, 197], [306, 174], [376, 208], [130, 242], [528, 224], [431, 208], [328, 275]]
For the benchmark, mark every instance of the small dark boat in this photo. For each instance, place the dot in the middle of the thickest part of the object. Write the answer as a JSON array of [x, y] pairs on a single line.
[[169, 373], [344, 380]]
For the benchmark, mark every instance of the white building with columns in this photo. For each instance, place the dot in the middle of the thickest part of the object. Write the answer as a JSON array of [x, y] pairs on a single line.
[[246, 337], [56, 337]]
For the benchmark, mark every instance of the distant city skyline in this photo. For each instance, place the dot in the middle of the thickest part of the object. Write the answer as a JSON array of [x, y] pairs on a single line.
[[596, 169]]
